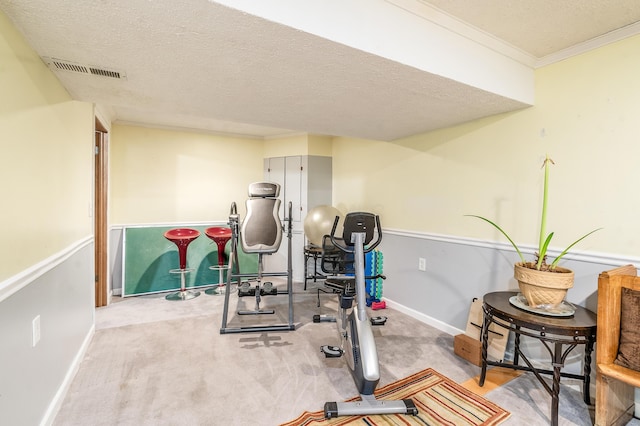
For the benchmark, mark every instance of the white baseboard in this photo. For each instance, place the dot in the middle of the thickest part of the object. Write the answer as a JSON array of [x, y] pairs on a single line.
[[56, 402], [423, 318]]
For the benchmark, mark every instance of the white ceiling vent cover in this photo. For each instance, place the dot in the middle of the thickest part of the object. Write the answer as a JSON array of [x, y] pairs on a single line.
[[63, 65]]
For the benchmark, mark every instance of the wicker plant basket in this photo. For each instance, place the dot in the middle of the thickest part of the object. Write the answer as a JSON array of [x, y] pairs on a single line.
[[542, 288]]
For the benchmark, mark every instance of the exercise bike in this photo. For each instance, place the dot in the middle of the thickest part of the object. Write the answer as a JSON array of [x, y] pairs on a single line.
[[358, 343]]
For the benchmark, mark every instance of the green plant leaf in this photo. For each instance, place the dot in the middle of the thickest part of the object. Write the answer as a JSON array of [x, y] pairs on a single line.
[[503, 233], [557, 259], [542, 252], [545, 191], [543, 244]]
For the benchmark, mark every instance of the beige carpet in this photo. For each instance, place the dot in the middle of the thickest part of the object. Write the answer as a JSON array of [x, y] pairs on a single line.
[[155, 362], [439, 401]]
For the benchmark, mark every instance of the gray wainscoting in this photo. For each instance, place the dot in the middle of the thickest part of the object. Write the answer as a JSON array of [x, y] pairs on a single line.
[[34, 378], [458, 270]]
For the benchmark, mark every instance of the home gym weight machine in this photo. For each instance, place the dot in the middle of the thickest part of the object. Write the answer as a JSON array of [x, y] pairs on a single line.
[[260, 232], [357, 341]]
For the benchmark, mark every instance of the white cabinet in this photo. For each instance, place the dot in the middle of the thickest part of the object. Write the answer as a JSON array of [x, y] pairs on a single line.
[[305, 181]]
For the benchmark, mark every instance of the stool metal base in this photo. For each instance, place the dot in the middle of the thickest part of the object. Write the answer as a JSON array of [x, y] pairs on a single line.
[[217, 290], [183, 295]]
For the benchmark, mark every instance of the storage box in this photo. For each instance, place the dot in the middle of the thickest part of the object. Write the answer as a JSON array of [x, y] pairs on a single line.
[[468, 348], [497, 337]]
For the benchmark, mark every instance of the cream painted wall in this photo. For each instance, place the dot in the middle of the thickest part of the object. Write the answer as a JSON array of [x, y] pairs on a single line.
[[299, 144], [585, 117], [287, 145], [47, 158], [164, 176], [320, 145]]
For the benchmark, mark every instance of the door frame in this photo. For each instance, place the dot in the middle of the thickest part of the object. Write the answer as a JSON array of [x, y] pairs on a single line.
[[101, 179]]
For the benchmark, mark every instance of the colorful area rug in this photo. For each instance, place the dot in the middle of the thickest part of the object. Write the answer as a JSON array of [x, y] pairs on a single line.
[[439, 400]]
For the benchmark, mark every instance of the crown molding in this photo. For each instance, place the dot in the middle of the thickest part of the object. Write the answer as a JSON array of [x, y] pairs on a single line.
[[595, 43]]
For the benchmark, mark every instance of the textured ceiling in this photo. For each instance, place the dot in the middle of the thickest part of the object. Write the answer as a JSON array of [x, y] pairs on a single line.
[[202, 65]]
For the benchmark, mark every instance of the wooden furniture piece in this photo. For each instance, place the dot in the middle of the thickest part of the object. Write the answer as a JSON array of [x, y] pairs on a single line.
[[560, 335], [614, 384]]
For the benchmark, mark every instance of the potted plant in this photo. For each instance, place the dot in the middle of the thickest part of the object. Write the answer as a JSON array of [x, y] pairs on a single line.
[[542, 284]]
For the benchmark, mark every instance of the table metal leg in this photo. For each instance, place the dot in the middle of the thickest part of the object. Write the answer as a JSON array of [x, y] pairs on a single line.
[[516, 343], [315, 267], [588, 348], [315, 257], [306, 270], [555, 390], [485, 342]]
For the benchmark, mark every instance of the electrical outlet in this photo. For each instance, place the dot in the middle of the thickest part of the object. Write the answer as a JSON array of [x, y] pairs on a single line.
[[35, 331], [422, 264]]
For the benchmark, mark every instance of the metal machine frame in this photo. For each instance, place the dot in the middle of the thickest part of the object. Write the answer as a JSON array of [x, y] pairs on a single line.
[[356, 327], [237, 275]]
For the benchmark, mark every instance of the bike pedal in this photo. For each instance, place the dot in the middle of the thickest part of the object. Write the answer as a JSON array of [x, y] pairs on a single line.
[[378, 320], [331, 351]]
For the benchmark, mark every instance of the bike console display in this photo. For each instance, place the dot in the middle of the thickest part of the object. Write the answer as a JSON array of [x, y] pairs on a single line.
[[354, 223]]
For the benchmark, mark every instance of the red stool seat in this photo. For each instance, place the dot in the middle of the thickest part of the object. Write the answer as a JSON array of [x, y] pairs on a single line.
[[182, 237], [220, 235]]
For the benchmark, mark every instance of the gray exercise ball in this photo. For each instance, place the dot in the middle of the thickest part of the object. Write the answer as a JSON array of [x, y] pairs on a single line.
[[319, 222]]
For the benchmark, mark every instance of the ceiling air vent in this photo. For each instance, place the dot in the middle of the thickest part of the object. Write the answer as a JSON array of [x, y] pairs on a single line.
[[62, 65]]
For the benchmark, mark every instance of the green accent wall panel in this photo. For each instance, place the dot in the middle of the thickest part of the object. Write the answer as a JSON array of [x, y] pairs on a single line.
[[148, 257]]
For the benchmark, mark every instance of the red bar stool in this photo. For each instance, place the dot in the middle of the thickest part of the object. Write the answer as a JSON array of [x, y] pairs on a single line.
[[182, 237], [220, 235]]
